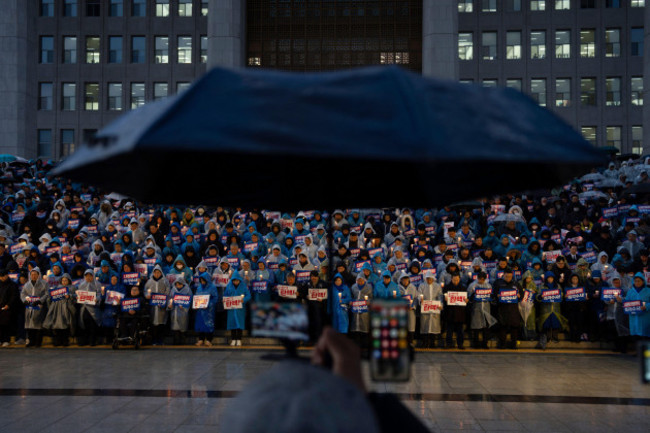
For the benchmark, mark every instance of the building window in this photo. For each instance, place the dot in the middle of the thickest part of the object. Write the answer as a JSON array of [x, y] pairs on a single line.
[[490, 83], [489, 5], [137, 95], [93, 8], [204, 49], [91, 97], [514, 83], [47, 49], [70, 8], [46, 8], [588, 92], [465, 6], [184, 8], [92, 49], [612, 4], [184, 49], [588, 43], [538, 44], [562, 5], [465, 46], [162, 8], [204, 8], [254, 61], [116, 8], [636, 40], [562, 92], [589, 133], [115, 97], [385, 58], [562, 44], [637, 3], [69, 49], [160, 90], [538, 90], [637, 140], [470, 81], [489, 46], [45, 96], [115, 49], [161, 49], [613, 43], [537, 5], [587, 4], [513, 45], [614, 136], [181, 86], [513, 5], [68, 96], [138, 8], [613, 92], [67, 142], [44, 143], [636, 91], [138, 53]]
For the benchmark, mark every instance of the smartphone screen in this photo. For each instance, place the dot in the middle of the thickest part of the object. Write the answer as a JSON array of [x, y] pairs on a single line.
[[286, 321], [390, 357], [644, 351]]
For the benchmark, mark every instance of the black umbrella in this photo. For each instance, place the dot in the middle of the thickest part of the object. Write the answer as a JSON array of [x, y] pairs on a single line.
[[371, 137]]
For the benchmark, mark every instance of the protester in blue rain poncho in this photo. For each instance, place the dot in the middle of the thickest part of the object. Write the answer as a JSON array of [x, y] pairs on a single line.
[[89, 314], [386, 288], [491, 240], [181, 268], [179, 316], [339, 302], [105, 272], [640, 322], [237, 316], [204, 319], [110, 306], [158, 285]]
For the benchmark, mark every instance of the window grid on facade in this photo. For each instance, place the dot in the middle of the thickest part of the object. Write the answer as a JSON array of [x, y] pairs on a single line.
[[162, 8], [514, 83], [613, 91], [637, 3], [138, 8], [92, 49], [91, 96], [137, 95], [160, 91], [587, 43], [612, 42], [562, 92], [637, 140], [538, 44], [69, 49], [93, 8], [46, 49], [161, 49], [70, 8], [465, 46], [115, 49], [537, 5], [587, 4], [636, 91], [513, 5], [46, 8], [204, 49], [465, 6], [538, 90], [562, 5], [181, 86], [589, 133], [489, 5], [614, 136], [636, 41], [562, 44], [68, 96], [115, 97], [116, 8], [67, 142], [513, 45], [588, 92], [44, 137], [491, 82], [138, 53], [204, 8], [184, 49], [612, 4], [45, 96], [489, 45], [184, 8]]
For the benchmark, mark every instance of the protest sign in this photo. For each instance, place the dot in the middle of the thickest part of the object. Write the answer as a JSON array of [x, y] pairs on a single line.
[[359, 307], [575, 294], [260, 286], [290, 292], [200, 302], [182, 301], [551, 295], [633, 307], [317, 294], [158, 300], [233, 302], [131, 304], [457, 299], [86, 297], [58, 294], [508, 296], [610, 294], [130, 278], [430, 307], [482, 295], [113, 297]]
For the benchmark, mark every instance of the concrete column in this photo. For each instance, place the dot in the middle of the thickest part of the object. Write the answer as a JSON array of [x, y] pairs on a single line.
[[646, 82], [440, 39], [226, 33], [17, 129]]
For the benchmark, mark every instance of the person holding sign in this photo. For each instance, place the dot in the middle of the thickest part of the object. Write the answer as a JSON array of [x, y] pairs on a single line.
[[156, 291], [131, 312], [179, 303], [529, 292], [315, 293], [550, 319], [575, 307], [386, 288], [455, 308], [112, 295], [237, 316], [60, 312], [362, 295], [205, 313], [261, 283], [408, 292], [339, 302], [507, 294], [638, 294], [481, 320], [89, 312], [429, 291], [34, 296]]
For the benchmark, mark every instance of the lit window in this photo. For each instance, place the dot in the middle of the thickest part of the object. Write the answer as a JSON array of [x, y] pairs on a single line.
[[181, 86], [514, 83], [589, 133], [562, 44], [537, 5], [614, 136], [92, 49], [91, 97], [161, 49], [613, 91], [160, 90], [115, 97], [587, 43], [636, 94], [538, 44], [562, 92], [465, 6], [637, 140], [137, 95], [465, 46], [637, 3], [184, 8], [489, 46], [562, 5], [489, 83], [254, 61], [204, 8], [513, 45], [204, 49], [538, 90], [184, 49], [588, 92], [162, 8], [393, 58], [612, 43]]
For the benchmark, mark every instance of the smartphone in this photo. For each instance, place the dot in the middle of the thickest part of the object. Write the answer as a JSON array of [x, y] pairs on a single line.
[[644, 354], [285, 321], [390, 353]]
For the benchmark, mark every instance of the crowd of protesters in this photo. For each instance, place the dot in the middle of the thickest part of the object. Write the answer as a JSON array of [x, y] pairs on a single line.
[[572, 262]]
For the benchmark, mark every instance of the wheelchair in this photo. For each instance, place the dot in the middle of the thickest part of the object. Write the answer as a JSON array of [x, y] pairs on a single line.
[[138, 331]]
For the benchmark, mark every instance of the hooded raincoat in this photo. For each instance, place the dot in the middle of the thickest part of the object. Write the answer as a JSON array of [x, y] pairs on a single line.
[[159, 314], [237, 317], [204, 321]]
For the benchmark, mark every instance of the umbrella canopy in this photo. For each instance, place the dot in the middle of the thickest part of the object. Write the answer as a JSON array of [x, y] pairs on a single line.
[[273, 139], [609, 183], [593, 195], [610, 150], [592, 177], [507, 217], [5, 157]]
